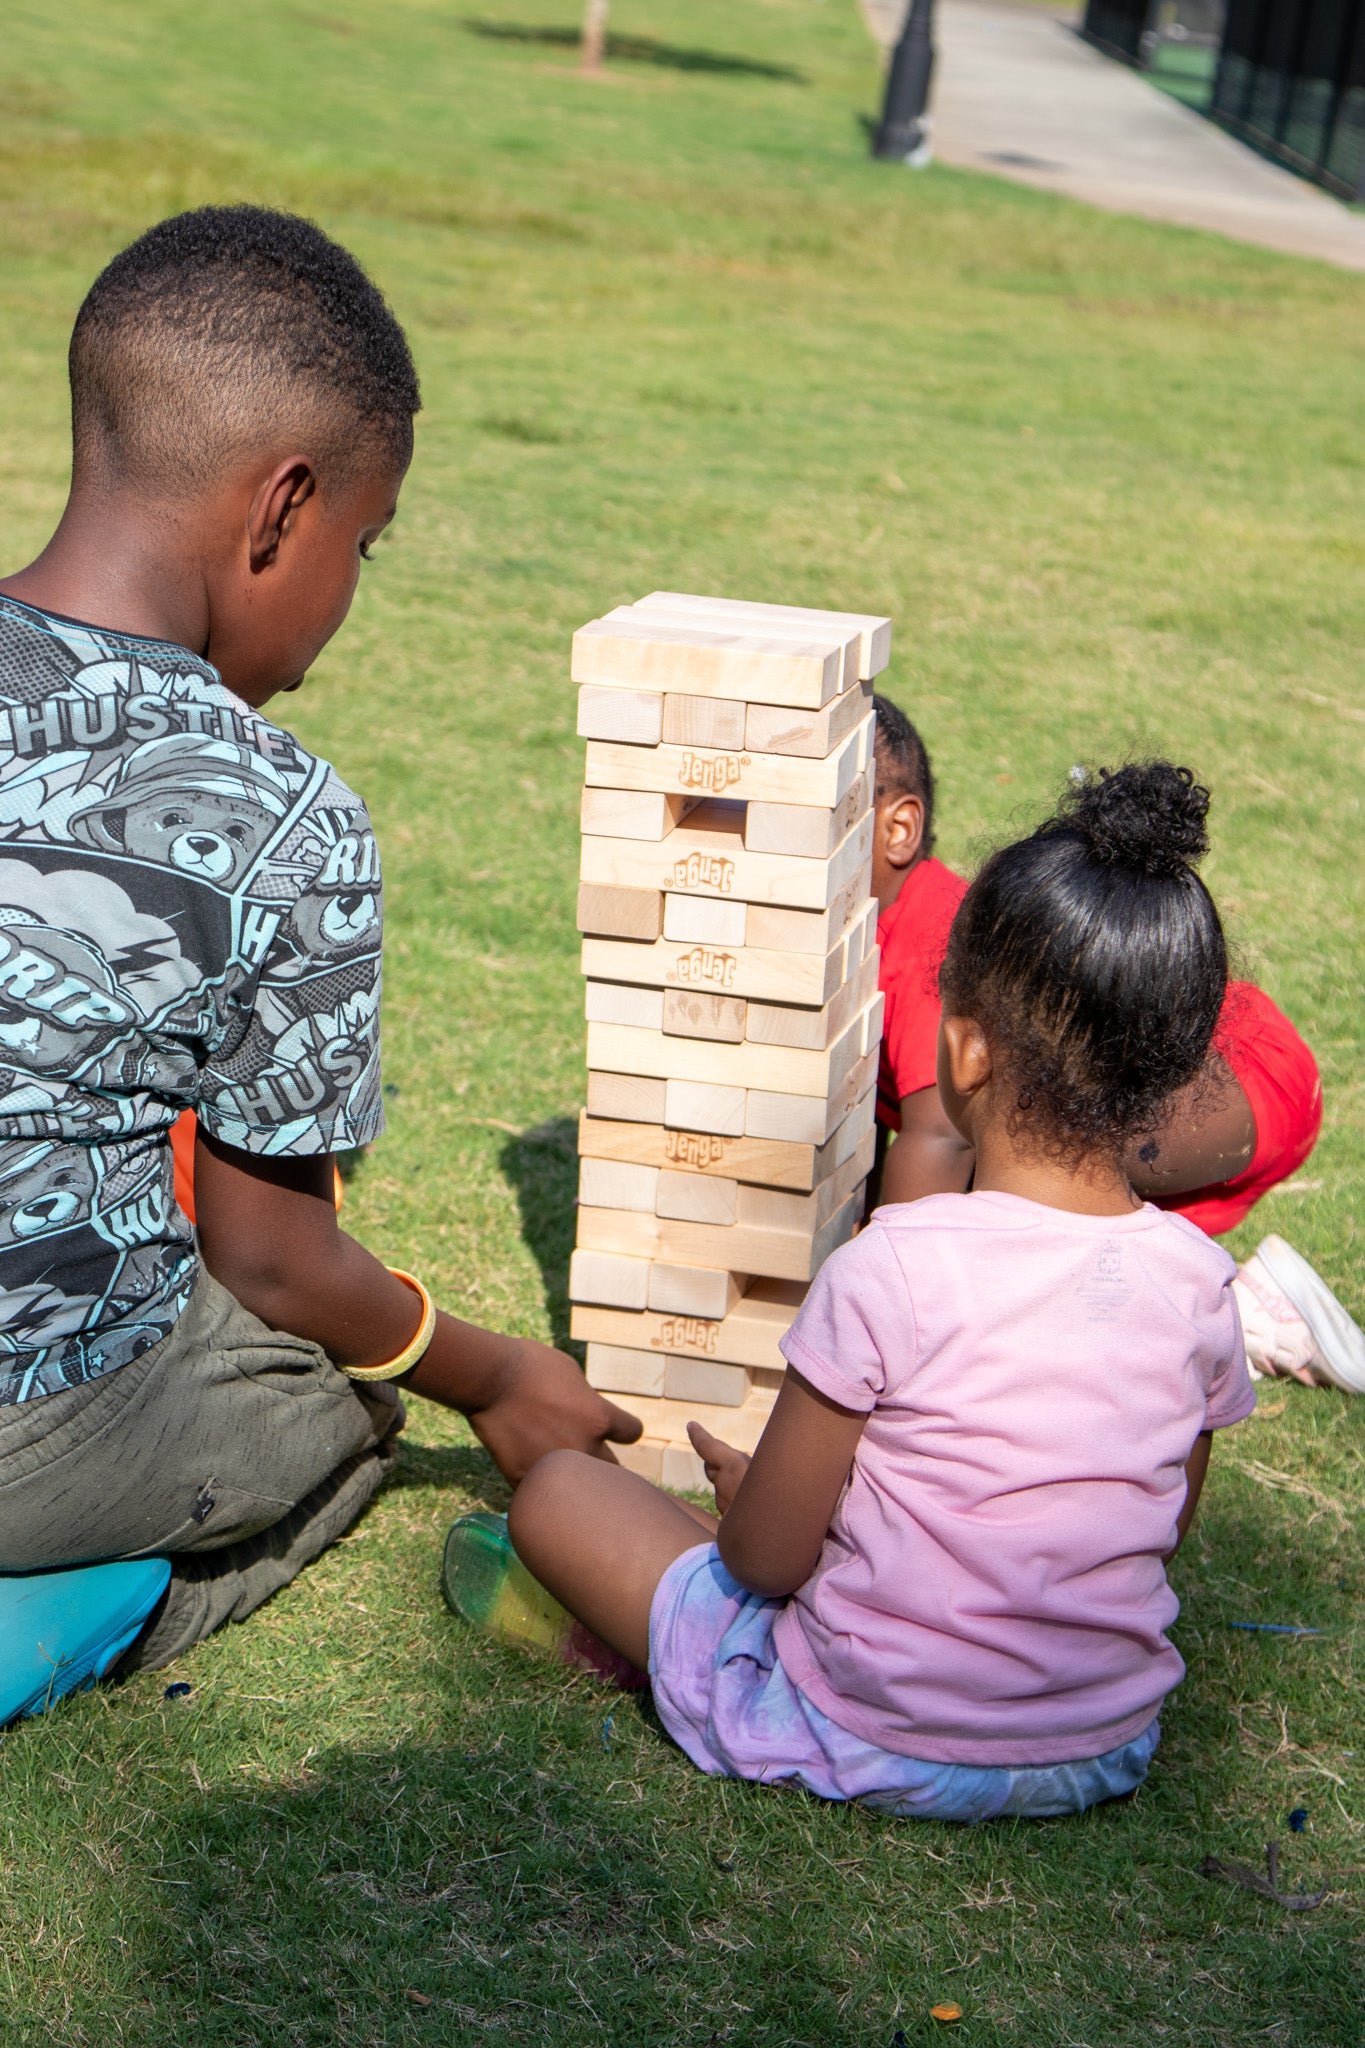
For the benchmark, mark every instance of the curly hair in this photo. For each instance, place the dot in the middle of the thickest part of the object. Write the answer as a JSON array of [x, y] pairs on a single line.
[[1093, 958], [221, 328]]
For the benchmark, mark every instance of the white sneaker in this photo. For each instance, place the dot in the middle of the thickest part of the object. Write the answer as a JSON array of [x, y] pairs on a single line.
[[1338, 1340], [1278, 1340]]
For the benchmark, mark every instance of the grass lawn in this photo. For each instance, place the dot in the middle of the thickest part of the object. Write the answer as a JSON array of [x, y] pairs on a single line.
[[675, 329]]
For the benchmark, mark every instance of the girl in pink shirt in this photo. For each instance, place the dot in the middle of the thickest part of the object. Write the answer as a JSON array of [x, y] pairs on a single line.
[[939, 1584]]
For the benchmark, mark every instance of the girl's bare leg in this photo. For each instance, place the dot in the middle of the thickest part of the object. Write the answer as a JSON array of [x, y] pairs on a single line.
[[600, 1539]]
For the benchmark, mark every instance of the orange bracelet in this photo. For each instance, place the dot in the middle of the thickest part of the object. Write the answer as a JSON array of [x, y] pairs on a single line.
[[410, 1353]]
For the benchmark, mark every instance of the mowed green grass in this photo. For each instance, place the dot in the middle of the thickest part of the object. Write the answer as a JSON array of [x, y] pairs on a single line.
[[675, 330]]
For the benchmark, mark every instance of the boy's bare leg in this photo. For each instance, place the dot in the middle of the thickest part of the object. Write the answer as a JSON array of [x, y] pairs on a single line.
[[600, 1539]]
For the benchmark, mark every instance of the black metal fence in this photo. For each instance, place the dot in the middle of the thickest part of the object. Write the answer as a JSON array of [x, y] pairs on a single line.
[[1291, 80]]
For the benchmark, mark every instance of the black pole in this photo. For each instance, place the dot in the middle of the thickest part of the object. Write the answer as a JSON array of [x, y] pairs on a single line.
[[903, 132]]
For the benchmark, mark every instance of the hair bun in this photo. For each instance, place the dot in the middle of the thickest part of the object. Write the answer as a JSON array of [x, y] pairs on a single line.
[[1150, 816]]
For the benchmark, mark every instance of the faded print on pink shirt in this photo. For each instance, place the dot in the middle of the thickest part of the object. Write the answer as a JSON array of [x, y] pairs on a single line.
[[992, 1588]]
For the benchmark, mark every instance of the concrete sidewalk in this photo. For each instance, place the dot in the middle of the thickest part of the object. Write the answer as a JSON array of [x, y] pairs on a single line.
[[1018, 93]]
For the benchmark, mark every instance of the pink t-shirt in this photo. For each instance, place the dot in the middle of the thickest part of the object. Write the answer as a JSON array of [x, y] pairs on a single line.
[[992, 1590]]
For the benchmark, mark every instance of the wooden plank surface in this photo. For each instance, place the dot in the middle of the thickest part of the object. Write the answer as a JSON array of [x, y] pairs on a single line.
[[705, 861], [810, 735], [620, 913], [874, 631], [764, 1162], [786, 1023], [627, 651], [730, 970], [780, 1254], [749, 1335], [781, 1069], [707, 771], [635, 717], [810, 831], [632, 813]]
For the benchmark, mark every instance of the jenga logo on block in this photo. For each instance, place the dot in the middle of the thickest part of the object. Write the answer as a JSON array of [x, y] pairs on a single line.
[[703, 964], [685, 1333], [703, 871], [694, 1148], [714, 772]]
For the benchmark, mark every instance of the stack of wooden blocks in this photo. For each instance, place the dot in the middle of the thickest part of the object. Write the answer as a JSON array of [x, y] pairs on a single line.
[[733, 1013]]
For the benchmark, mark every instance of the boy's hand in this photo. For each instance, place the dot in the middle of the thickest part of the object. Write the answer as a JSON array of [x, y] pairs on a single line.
[[725, 1466], [543, 1403]]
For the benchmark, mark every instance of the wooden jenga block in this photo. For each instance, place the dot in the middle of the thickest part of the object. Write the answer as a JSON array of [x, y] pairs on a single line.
[[695, 1013], [684, 1290], [807, 979], [777, 729], [643, 1457], [693, 1197], [702, 1379], [706, 860], [874, 632], [628, 651], [764, 1162], [860, 940], [606, 1278], [705, 771], [781, 1254], [666, 1421], [773, 930], [704, 722], [805, 831], [632, 717], [704, 920], [750, 1335], [779, 1209], [617, 1184], [681, 1470], [620, 913], [807, 1119], [768, 631], [785, 1024], [635, 1098], [633, 813], [614, 1370], [617, 1002], [782, 1070], [704, 1106]]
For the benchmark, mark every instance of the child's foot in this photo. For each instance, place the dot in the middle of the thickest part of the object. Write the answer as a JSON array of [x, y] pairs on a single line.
[[487, 1585], [1338, 1342], [1278, 1340]]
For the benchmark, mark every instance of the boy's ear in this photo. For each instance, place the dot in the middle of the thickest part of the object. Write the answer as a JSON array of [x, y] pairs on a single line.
[[274, 507], [900, 829]]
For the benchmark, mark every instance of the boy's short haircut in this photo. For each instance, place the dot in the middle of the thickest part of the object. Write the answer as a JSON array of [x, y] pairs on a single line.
[[903, 765], [225, 329]]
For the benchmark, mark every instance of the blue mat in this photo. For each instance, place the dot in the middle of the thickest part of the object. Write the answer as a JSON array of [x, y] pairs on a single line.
[[60, 1631]]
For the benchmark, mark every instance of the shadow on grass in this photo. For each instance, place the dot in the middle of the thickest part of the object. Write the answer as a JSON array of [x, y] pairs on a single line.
[[640, 50], [542, 1165]]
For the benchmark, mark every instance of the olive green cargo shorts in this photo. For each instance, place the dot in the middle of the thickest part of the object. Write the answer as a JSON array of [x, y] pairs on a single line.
[[233, 1449]]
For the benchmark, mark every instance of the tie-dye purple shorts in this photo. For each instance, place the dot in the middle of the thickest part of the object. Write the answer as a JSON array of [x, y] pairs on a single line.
[[725, 1699]]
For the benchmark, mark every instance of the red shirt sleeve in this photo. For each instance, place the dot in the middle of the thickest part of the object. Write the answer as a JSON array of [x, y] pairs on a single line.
[[913, 937]]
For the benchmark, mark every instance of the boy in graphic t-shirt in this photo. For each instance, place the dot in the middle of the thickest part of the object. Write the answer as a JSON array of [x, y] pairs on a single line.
[[190, 918], [1228, 1139]]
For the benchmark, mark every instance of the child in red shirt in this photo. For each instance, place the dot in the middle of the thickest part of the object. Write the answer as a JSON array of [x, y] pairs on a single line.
[[1248, 1122]]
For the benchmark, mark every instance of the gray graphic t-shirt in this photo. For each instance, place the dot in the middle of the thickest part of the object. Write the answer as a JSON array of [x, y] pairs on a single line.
[[190, 917]]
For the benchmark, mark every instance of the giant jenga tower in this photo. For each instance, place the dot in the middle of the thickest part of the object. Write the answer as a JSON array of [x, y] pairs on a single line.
[[733, 1014]]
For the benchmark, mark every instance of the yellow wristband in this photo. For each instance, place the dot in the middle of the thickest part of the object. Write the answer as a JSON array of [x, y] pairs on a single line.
[[410, 1354]]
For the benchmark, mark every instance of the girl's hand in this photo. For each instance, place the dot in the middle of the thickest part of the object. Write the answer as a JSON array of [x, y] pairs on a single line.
[[725, 1466]]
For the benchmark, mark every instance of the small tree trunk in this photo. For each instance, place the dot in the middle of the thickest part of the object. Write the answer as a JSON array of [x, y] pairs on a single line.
[[594, 35]]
